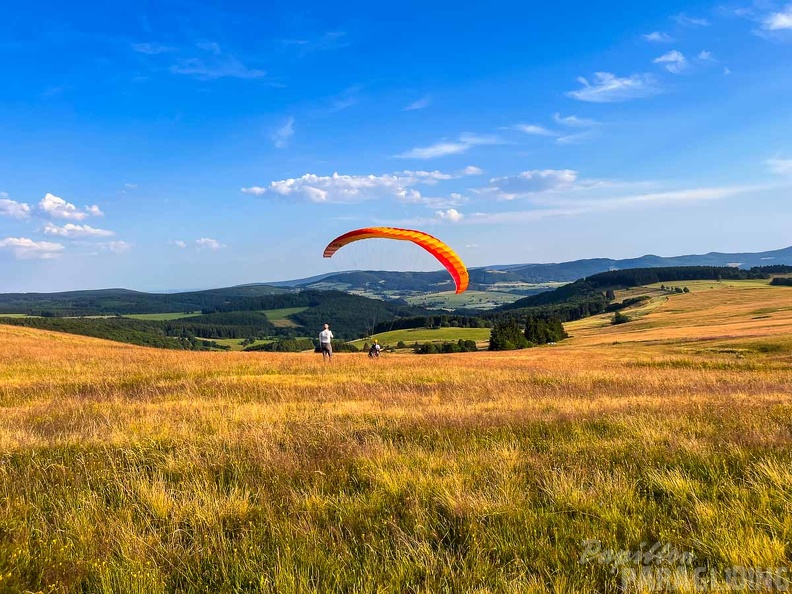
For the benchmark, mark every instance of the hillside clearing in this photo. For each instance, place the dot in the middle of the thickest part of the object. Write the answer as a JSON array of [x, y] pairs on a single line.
[[412, 335], [163, 317], [280, 317]]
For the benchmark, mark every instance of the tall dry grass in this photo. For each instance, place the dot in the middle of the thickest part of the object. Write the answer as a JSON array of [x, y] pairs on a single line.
[[125, 469]]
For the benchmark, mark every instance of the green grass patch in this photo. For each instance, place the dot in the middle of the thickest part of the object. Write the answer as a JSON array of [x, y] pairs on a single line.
[[707, 285], [280, 317], [413, 335], [163, 317], [470, 299], [235, 344]]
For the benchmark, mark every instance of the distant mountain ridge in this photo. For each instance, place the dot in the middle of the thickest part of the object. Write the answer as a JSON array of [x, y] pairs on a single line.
[[519, 279], [487, 277]]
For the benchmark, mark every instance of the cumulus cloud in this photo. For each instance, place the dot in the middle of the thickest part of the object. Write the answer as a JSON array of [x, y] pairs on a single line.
[[13, 209], [449, 147], [532, 182], [451, 214], [57, 208], [673, 61], [427, 177], [346, 189], [209, 244], [780, 166], [178, 243], [71, 230], [609, 88], [27, 249], [779, 21], [471, 170], [659, 37], [283, 134], [421, 103]]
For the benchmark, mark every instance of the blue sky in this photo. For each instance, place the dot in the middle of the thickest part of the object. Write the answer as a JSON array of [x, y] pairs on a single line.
[[170, 145]]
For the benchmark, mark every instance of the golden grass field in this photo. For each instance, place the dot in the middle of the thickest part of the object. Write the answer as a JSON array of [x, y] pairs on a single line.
[[126, 469]]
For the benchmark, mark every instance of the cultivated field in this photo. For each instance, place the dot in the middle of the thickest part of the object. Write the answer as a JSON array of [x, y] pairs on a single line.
[[124, 469]]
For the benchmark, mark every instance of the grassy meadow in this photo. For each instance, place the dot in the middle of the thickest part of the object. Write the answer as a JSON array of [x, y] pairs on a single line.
[[280, 317], [164, 317], [412, 335], [125, 469]]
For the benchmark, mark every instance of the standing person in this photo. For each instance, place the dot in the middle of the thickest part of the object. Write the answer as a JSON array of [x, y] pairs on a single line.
[[375, 349], [326, 343]]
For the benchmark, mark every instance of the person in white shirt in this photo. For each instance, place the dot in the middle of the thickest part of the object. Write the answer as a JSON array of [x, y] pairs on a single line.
[[325, 343]]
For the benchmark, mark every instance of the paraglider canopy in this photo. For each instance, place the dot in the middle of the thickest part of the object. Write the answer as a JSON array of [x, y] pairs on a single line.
[[444, 254]]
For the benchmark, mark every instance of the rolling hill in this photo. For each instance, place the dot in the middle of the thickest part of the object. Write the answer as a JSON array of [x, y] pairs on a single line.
[[522, 279]]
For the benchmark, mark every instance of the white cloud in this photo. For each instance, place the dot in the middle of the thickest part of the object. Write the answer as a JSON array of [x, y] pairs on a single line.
[[687, 21], [691, 195], [209, 244], [117, 247], [534, 129], [415, 197], [609, 88], [446, 147], [228, 67], [329, 40], [346, 189], [659, 37], [282, 135], [70, 230], [427, 177], [574, 121], [532, 182], [452, 215], [343, 100], [706, 56], [577, 207], [471, 170], [579, 138], [178, 243], [13, 209], [779, 21], [213, 63], [27, 249], [421, 103], [57, 208], [780, 166], [726, 71], [674, 61]]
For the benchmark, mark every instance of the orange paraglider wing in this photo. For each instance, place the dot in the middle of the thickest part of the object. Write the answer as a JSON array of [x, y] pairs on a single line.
[[434, 246]]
